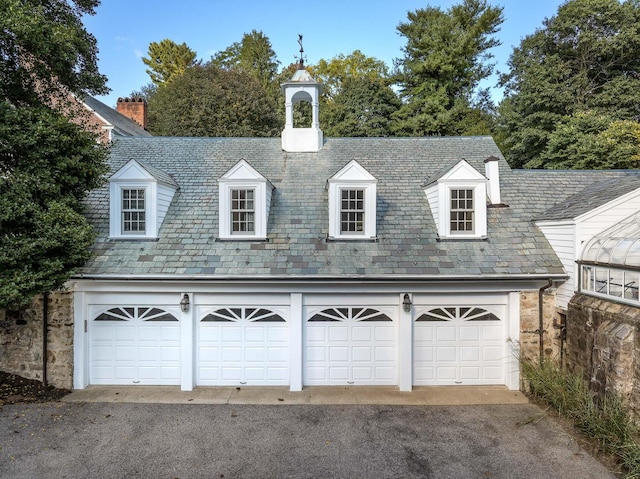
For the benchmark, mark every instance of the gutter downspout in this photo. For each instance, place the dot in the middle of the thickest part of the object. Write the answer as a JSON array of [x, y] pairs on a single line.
[[541, 319], [45, 336]]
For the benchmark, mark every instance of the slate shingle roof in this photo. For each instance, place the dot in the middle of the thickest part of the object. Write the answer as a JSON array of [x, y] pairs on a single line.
[[407, 244], [122, 125]]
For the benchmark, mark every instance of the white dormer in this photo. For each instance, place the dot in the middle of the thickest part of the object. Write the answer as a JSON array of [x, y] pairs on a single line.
[[352, 203], [457, 196], [139, 197], [302, 87], [245, 198]]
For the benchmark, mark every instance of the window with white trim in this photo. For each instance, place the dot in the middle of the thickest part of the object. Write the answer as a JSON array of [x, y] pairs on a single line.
[[244, 202], [352, 211], [243, 211], [462, 211], [138, 201], [352, 203], [457, 197], [133, 211]]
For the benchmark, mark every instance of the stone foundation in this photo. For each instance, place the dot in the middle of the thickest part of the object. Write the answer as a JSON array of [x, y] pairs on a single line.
[[603, 344], [21, 340], [530, 325]]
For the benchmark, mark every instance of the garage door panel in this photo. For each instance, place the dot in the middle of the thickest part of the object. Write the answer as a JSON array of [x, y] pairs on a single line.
[[470, 353], [338, 373], [337, 353], [446, 333], [338, 333], [362, 354], [253, 346], [462, 345], [277, 354], [359, 347]]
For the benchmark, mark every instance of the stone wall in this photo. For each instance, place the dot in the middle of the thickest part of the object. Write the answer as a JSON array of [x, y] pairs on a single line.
[[530, 325], [603, 344], [21, 340]]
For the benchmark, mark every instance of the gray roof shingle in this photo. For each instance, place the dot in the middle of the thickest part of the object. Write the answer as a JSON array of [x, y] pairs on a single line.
[[407, 243]]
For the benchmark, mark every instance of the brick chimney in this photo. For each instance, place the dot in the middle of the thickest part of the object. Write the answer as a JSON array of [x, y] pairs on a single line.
[[134, 108]]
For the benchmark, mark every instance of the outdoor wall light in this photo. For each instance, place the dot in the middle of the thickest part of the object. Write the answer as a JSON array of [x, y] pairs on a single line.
[[406, 303], [184, 303]]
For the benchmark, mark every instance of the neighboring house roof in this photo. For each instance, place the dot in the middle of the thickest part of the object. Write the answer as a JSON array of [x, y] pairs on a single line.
[[407, 244], [122, 125]]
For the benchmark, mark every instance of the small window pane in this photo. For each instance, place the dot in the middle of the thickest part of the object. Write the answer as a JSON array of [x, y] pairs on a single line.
[[616, 278], [631, 285], [352, 211], [133, 211], [461, 219], [587, 278], [602, 280], [243, 211]]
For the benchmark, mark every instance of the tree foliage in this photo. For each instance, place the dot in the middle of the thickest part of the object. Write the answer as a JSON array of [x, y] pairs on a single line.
[[47, 163], [362, 108], [577, 77], [446, 55], [333, 73], [167, 60], [210, 101], [253, 55], [45, 48]]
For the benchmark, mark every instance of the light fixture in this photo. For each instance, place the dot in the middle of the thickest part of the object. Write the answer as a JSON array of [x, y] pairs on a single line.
[[406, 303], [184, 303]]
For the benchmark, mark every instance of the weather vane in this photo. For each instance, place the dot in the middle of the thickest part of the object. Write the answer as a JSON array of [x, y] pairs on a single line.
[[301, 62]]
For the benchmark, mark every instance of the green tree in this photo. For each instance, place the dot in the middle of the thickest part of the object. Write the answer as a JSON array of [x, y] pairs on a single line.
[[577, 76], [210, 101], [587, 140], [44, 48], [445, 58], [333, 73], [47, 163], [363, 107], [254, 55], [167, 60]]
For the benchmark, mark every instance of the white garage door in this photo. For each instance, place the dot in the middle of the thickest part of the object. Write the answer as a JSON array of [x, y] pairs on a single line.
[[238, 346], [459, 345], [350, 346], [135, 345]]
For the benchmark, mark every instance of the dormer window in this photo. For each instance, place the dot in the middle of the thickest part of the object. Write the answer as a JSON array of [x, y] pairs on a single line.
[[352, 203], [139, 197], [461, 212], [133, 211], [245, 198], [457, 196], [243, 212]]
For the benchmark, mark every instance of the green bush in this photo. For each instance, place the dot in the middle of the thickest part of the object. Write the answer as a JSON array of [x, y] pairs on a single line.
[[605, 419]]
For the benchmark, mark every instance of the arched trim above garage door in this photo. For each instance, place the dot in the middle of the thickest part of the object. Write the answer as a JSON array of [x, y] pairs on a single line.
[[140, 313], [353, 314], [254, 315], [458, 313]]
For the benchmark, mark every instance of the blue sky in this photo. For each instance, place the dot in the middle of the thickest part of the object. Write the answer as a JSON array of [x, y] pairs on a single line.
[[124, 29]]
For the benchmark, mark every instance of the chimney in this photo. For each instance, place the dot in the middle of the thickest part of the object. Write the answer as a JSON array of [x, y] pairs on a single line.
[[492, 172], [133, 108]]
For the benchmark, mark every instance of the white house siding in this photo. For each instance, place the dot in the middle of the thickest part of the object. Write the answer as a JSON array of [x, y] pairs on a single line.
[[596, 221], [562, 238], [165, 195]]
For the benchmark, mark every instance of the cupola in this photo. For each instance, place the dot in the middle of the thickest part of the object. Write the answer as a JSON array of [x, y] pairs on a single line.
[[301, 87]]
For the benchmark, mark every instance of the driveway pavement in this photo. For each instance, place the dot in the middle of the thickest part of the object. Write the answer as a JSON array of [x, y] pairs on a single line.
[[136, 440]]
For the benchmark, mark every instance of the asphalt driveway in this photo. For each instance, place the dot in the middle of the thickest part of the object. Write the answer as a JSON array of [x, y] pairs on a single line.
[[123, 440]]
